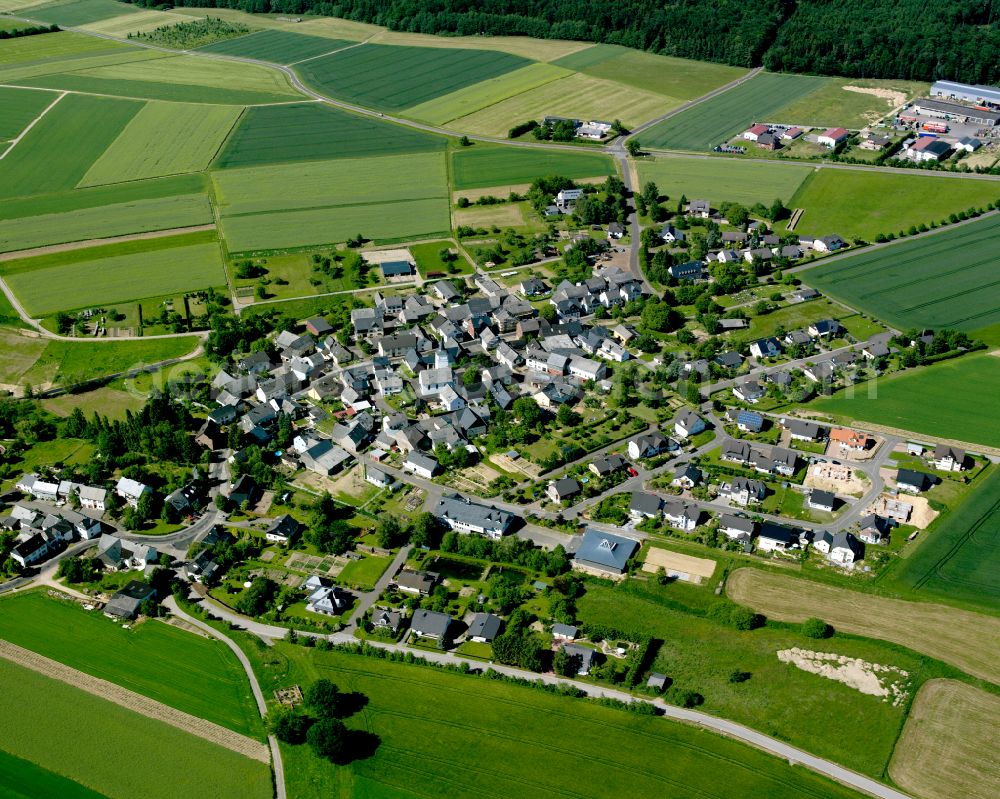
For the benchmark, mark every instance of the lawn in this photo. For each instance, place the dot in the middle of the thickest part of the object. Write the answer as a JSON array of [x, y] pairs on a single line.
[[364, 573], [277, 46], [72, 13], [164, 139], [580, 96], [483, 166], [280, 134], [428, 258], [792, 317], [89, 277], [115, 219], [155, 659], [717, 120], [832, 105], [93, 734], [723, 179], [110, 402], [20, 106], [394, 78], [22, 779], [945, 280], [60, 149], [864, 204]]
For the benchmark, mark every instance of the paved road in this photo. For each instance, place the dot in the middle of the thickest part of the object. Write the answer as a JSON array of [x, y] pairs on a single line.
[[367, 599]]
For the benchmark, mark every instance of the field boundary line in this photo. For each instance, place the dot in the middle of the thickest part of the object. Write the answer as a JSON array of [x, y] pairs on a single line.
[[15, 141], [338, 50], [137, 703], [68, 246]]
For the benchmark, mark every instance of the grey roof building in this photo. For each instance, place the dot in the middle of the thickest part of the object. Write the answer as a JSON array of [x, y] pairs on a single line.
[[430, 624], [465, 516], [484, 628], [604, 554], [125, 604]]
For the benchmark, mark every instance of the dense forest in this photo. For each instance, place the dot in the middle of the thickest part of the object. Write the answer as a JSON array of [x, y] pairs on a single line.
[[957, 39]]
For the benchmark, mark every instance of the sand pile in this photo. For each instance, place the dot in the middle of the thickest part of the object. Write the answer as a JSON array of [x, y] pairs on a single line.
[[874, 679]]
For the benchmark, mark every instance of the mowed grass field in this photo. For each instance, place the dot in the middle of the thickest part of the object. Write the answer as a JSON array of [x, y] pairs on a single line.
[[277, 46], [833, 105], [717, 120], [113, 751], [72, 13], [394, 78], [53, 47], [20, 106], [154, 659], [944, 280], [968, 641], [313, 132], [445, 734], [864, 204], [718, 180], [483, 166], [102, 276], [946, 749], [164, 139], [132, 22]]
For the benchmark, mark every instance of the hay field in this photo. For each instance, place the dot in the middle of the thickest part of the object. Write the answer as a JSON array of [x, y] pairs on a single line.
[[140, 22], [483, 167], [723, 179], [968, 641]]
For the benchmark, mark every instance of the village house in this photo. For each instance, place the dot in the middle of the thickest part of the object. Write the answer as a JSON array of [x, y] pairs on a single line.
[[465, 516], [604, 554]]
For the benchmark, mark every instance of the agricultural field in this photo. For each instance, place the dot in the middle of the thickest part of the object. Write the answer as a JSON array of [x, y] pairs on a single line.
[[20, 106], [968, 641], [943, 749], [394, 78], [154, 659], [73, 13], [164, 139], [22, 779], [93, 733], [142, 22], [524, 46], [312, 132], [944, 280], [864, 204], [717, 120], [484, 167], [103, 276], [723, 179], [276, 46], [838, 103], [54, 47]]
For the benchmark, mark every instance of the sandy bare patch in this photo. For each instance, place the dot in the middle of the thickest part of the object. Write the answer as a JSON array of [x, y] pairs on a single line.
[[838, 479], [137, 703], [675, 564], [921, 513], [385, 256], [874, 679]]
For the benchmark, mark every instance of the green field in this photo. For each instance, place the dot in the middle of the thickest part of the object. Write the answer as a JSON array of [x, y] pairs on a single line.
[[90, 277], [277, 46], [394, 78], [164, 139], [428, 258], [831, 105], [482, 166], [280, 134], [947, 279], [155, 659], [723, 179], [54, 46], [717, 120], [20, 106], [114, 751], [73, 13], [864, 204], [59, 150], [22, 779], [105, 221], [947, 399]]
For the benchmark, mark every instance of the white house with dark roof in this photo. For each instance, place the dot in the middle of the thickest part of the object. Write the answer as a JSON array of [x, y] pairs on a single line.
[[465, 516]]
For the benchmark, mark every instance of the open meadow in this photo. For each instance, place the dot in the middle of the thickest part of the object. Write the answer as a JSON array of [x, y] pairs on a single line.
[[968, 641], [722, 179], [277, 46], [96, 734], [717, 120], [71, 13], [838, 103], [946, 749], [483, 166], [20, 107], [944, 280]]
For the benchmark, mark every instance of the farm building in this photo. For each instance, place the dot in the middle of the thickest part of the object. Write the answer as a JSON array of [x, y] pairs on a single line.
[[755, 132], [397, 270], [927, 149], [832, 137]]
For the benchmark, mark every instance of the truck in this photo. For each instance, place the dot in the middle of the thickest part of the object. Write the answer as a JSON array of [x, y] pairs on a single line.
[[935, 127]]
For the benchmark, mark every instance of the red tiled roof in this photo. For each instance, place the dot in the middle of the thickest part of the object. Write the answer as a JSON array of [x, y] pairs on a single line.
[[835, 133]]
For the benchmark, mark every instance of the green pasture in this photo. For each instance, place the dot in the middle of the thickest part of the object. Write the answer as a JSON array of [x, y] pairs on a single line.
[[722, 179], [394, 78], [277, 46], [428, 258], [482, 166], [73, 13], [364, 573], [164, 139], [292, 275], [21, 72], [53, 46], [947, 279], [60, 149], [793, 317], [312, 132], [104, 221], [947, 399], [113, 751], [7, 24], [22, 779], [717, 120], [20, 106], [832, 105]]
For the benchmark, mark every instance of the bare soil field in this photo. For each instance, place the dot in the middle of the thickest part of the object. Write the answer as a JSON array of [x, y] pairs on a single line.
[[684, 567], [949, 744], [968, 641], [839, 479]]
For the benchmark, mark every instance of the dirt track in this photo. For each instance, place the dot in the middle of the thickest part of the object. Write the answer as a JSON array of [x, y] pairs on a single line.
[[137, 703]]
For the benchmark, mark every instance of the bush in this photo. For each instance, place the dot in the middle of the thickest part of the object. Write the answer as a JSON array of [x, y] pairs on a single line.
[[816, 628], [328, 738], [289, 726], [683, 698], [736, 616]]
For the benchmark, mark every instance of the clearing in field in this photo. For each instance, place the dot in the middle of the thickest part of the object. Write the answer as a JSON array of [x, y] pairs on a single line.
[[717, 120], [864, 204], [944, 280], [580, 96], [849, 102], [946, 745], [164, 139], [472, 98], [723, 180], [671, 77], [968, 641], [94, 732], [277, 46], [73, 13], [676, 564], [20, 106], [394, 78], [483, 166], [87, 278], [313, 132]]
